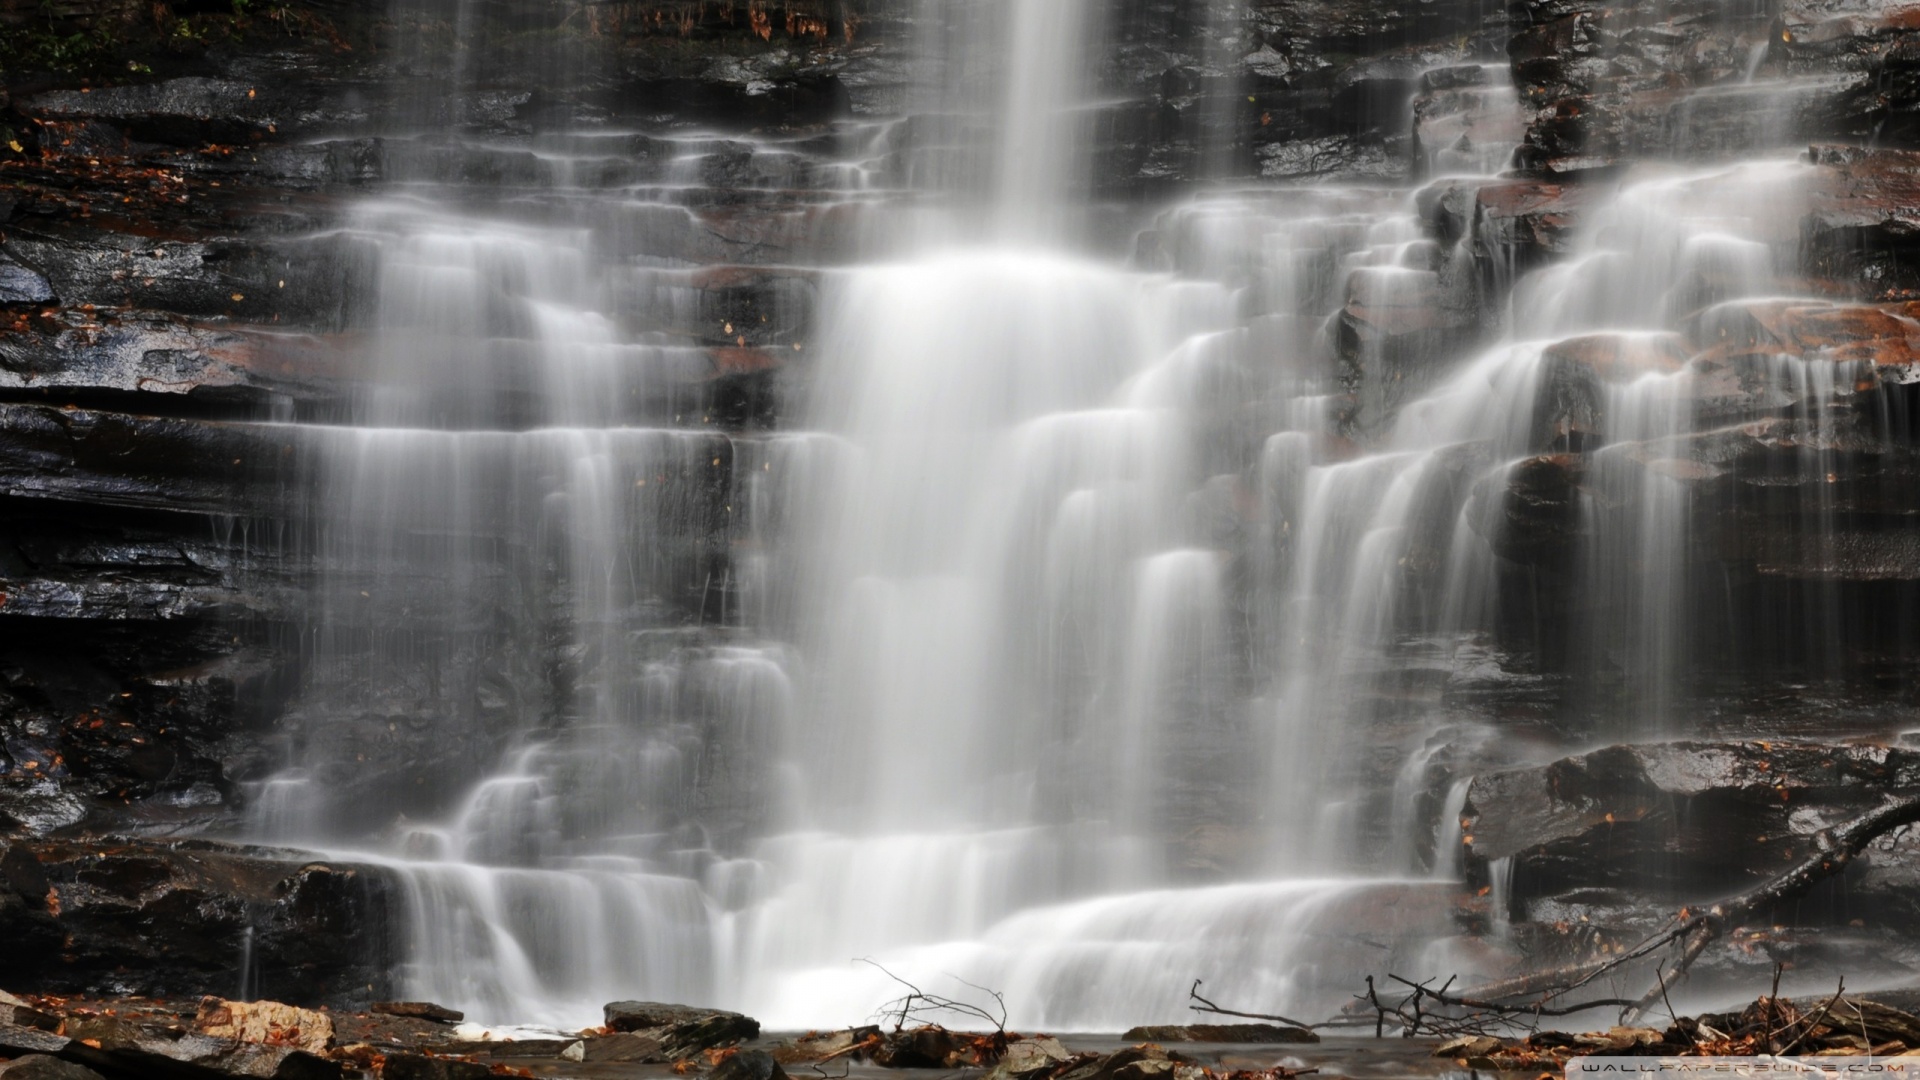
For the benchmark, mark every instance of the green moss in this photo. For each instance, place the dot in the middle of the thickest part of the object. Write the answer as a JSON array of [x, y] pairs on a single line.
[[36, 38], [41, 41]]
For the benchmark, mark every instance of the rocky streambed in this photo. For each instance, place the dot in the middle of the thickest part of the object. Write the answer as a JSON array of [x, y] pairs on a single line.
[[50, 1038]]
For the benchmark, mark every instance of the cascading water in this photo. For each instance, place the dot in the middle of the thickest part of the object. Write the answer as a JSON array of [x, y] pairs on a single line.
[[973, 669]]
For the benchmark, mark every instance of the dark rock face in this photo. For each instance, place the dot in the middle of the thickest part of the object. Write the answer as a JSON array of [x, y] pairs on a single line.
[[188, 915]]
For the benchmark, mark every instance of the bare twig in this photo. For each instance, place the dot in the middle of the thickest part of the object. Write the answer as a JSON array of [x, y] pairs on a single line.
[[919, 1006], [1205, 1006]]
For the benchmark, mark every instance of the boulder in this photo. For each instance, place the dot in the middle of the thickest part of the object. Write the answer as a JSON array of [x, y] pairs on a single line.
[[681, 1030], [44, 1067], [267, 1022]]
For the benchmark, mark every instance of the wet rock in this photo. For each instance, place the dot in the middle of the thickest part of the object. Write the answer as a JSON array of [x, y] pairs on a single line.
[[78, 356], [183, 110], [681, 1030], [423, 1010], [1531, 512], [1397, 331], [1465, 121], [1615, 82], [1520, 224], [152, 918], [1575, 377], [1886, 334], [1332, 159], [132, 461], [19, 285], [1862, 231], [1222, 1033], [45, 1067], [416, 1067], [1674, 818]]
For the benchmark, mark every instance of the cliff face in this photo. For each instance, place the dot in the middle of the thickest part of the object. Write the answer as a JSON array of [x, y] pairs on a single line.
[[176, 282]]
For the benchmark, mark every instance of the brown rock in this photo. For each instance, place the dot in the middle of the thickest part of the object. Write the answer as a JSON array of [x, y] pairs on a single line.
[[268, 1022]]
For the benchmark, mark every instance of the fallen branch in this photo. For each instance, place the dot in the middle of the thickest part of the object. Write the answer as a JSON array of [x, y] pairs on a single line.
[[918, 1005], [1834, 850], [1205, 1006]]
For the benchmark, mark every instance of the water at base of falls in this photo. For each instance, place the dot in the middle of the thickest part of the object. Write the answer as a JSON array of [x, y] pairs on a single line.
[[1052, 649]]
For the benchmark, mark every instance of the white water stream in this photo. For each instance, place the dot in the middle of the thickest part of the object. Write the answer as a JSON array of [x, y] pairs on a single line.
[[998, 672]]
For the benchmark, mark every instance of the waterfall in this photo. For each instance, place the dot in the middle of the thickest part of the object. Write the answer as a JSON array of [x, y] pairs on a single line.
[[1056, 635]]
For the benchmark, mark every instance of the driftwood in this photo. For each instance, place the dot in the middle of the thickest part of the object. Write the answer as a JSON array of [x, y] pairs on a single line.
[[1537, 995]]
